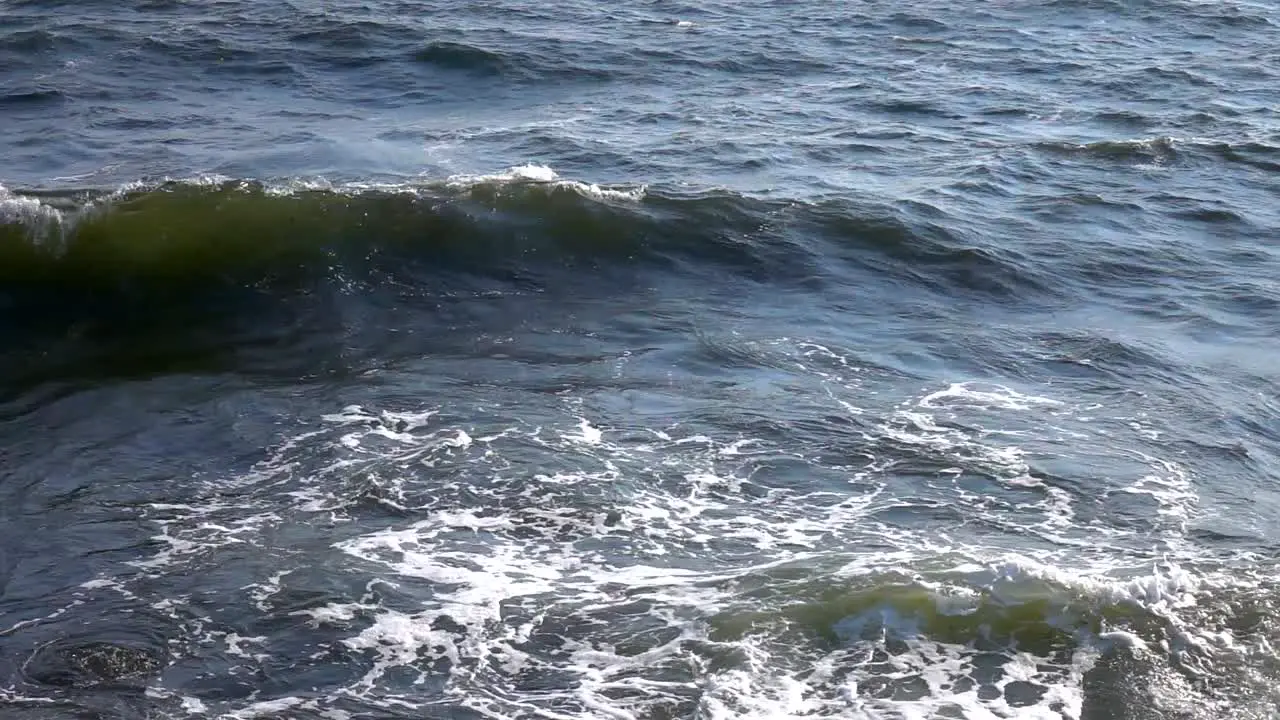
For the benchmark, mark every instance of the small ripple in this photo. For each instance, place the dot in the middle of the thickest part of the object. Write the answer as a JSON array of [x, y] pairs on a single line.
[[547, 65], [1095, 349], [1123, 117], [32, 97], [914, 106], [1177, 75], [335, 34], [28, 41], [460, 56], [1211, 216], [1157, 150], [1255, 154], [923, 22]]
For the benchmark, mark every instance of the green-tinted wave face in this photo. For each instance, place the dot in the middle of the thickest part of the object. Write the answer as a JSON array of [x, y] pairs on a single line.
[[194, 275], [246, 231], [941, 643], [192, 234], [836, 614]]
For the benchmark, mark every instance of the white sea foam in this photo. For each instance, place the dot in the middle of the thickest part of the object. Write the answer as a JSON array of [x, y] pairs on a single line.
[[518, 572], [527, 174], [1170, 486], [235, 645], [613, 580], [993, 396], [543, 175], [587, 434], [43, 220], [266, 708]]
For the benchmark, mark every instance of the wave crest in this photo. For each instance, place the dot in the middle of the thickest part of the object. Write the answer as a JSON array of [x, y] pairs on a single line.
[[172, 240]]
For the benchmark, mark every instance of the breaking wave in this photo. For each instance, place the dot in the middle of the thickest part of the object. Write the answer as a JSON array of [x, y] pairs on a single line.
[[525, 221]]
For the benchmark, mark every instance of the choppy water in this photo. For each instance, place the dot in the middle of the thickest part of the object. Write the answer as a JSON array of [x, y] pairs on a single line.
[[761, 360]]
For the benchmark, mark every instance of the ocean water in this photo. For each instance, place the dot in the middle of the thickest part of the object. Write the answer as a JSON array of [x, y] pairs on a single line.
[[655, 360]]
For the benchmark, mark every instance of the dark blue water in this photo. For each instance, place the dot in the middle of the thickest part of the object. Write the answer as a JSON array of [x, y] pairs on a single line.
[[777, 360]]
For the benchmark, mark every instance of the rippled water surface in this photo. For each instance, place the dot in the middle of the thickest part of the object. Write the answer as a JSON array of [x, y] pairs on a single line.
[[639, 361]]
